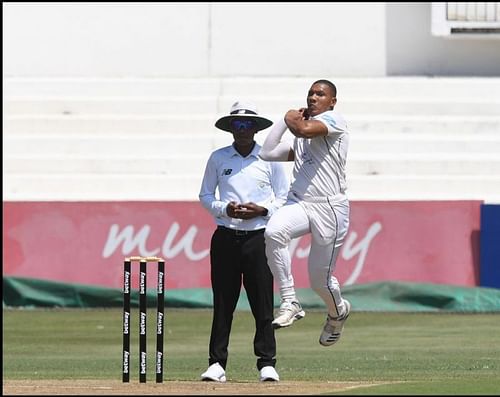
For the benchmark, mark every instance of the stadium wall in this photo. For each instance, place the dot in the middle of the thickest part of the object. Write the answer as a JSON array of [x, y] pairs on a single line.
[[207, 39]]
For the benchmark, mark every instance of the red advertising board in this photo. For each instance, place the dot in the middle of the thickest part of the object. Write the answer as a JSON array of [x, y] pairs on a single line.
[[86, 242]]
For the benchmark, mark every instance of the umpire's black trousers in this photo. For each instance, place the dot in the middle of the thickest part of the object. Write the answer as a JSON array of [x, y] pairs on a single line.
[[236, 258]]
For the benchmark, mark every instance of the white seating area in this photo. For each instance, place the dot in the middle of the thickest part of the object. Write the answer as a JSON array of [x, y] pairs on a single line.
[[412, 138]]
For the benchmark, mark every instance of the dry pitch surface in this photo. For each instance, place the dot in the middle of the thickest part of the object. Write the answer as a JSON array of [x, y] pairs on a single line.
[[105, 387]]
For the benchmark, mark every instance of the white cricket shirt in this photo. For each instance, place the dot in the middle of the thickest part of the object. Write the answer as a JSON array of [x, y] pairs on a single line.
[[319, 169], [242, 179]]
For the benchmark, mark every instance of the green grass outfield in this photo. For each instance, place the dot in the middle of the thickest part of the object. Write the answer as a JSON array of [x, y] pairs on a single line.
[[420, 353]]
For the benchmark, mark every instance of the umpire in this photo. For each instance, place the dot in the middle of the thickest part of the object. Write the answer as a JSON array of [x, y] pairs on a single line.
[[250, 190]]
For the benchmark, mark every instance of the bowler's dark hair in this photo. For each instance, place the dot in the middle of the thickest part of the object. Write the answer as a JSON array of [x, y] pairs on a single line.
[[329, 84]]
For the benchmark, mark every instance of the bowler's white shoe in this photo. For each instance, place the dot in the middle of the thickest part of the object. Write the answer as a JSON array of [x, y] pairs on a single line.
[[289, 312], [214, 373], [268, 374], [333, 327]]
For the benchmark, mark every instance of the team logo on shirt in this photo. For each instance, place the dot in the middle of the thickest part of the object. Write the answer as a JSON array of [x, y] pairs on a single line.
[[227, 171], [306, 158]]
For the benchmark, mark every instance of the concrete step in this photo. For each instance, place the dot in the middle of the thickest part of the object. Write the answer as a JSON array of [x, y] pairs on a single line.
[[118, 87], [374, 88], [183, 124], [423, 164], [96, 187], [108, 164], [162, 144], [425, 187], [186, 105], [178, 164], [123, 187], [212, 105], [395, 143], [423, 88], [53, 144]]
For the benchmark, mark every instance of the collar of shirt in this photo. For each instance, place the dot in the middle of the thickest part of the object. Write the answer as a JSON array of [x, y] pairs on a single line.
[[254, 153]]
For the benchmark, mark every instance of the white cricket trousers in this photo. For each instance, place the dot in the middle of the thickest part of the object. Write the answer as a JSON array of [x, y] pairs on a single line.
[[327, 219]]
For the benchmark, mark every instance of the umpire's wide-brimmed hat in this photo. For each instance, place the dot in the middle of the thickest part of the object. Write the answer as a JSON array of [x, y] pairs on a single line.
[[243, 110]]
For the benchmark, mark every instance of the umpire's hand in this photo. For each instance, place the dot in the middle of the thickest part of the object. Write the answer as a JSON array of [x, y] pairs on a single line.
[[245, 211]]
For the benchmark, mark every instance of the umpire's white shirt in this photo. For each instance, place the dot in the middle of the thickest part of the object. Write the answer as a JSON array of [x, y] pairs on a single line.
[[319, 169], [242, 179]]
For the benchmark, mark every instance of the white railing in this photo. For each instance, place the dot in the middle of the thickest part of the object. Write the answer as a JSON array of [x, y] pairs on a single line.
[[471, 19]]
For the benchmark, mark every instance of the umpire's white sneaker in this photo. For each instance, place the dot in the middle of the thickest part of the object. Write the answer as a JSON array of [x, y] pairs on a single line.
[[268, 374], [333, 327], [214, 373], [289, 312]]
